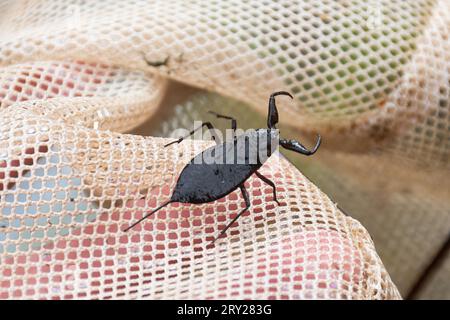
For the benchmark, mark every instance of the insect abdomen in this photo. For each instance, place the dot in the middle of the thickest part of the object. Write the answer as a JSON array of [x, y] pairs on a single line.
[[218, 170], [201, 183]]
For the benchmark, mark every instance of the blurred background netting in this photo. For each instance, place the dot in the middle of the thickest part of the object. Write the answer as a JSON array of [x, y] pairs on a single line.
[[371, 76]]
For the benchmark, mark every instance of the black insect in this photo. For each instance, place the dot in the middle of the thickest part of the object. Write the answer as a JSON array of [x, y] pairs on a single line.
[[221, 169]]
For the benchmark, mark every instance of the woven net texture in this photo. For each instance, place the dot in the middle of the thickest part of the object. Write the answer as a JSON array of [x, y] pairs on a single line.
[[404, 208], [371, 76]]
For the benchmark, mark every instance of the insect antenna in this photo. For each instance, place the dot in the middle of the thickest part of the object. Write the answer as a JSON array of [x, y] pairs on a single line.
[[148, 215]]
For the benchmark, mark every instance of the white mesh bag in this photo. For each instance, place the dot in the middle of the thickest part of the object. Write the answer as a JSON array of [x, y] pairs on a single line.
[[76, 75]]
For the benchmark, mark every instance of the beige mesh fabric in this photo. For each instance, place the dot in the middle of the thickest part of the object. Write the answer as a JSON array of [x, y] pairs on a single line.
[[405, 208], [358, 69], [368, 75], [86, 185]]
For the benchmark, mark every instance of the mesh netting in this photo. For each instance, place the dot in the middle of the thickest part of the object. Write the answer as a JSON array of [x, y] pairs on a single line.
[[367, 75], [68, 198], [405, 208]]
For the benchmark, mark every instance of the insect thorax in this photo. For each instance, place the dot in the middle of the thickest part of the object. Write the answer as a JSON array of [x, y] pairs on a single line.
[[253, 147]]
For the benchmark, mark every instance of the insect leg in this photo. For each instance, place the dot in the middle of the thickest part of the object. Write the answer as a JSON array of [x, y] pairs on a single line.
[[247, 205], [233, 121], [272, 117], [270, 183], [296, 146], [148, 215], [204, 124]]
